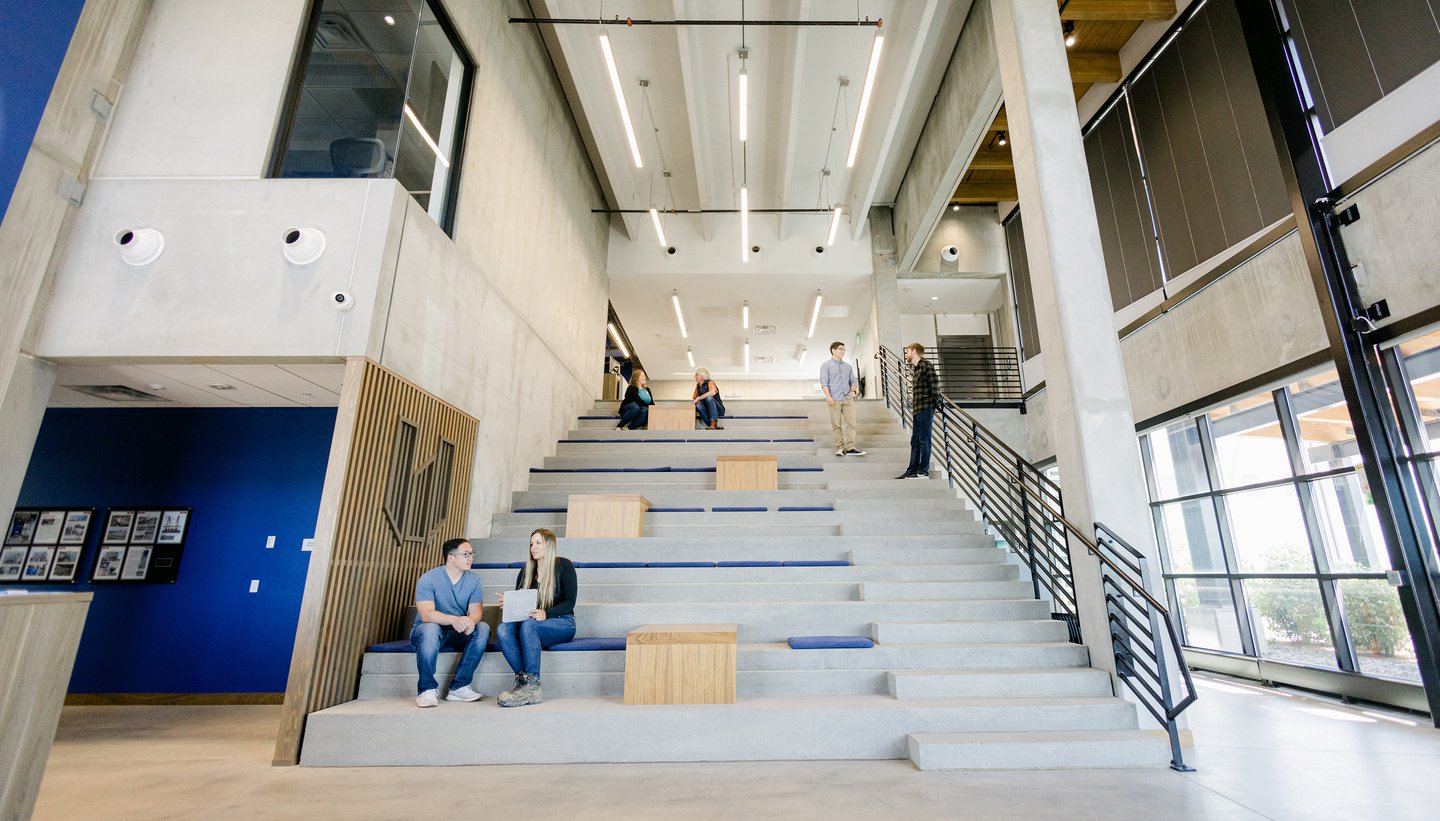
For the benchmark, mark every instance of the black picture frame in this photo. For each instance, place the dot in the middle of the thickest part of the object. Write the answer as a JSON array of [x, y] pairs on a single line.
[[155, 537], [45, 545]]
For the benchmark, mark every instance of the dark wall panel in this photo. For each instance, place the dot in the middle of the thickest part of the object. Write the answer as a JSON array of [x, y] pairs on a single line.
[[1352, 60], [1126, 231], [1024, 296]]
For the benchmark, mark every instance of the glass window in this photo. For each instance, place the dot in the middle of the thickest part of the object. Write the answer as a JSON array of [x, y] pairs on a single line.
[[1208, 612], [1249, 445], [1268, 531], [1349, 525], [1422, 363], [1377, 627], [1290, 621], [1179, 463], [1327, 438], [383, 94], [1190, 537]]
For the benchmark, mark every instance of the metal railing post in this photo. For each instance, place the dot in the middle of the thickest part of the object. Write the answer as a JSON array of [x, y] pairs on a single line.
[[979, 470], [1025, 516]]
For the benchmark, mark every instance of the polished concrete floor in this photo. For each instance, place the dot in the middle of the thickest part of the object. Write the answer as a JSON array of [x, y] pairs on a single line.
[[1261, 753]]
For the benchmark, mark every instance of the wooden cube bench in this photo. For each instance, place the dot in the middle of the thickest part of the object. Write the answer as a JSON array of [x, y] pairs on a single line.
[[605, 515], [671, 416], [680, 664], [750, 471]]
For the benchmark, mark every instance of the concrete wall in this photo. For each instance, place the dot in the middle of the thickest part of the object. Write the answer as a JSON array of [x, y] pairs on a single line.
[[1395, 244], [205, 89], [963, 109], [731, 388], [976, 233]]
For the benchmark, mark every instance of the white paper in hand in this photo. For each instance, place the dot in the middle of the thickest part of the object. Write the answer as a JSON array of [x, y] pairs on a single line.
[[519, 604]]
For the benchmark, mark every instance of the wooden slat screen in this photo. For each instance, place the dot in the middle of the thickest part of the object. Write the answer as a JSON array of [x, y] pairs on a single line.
[[367, 552]]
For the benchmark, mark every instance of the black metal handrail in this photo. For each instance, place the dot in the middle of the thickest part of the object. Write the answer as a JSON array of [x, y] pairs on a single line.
[[1020, 503], [979, 376]]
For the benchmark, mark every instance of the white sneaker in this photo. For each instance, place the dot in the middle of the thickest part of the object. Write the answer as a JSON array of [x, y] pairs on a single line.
[[463, 694], [429, 698], [839, 451]]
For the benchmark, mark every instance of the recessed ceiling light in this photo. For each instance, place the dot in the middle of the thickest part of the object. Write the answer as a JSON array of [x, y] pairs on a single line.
[[222, 387], [933, 298], [389, 21], [156, 387]]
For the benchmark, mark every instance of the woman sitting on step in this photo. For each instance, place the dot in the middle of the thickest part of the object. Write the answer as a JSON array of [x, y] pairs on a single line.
[[553, 577], [635, 407], [707, 400]]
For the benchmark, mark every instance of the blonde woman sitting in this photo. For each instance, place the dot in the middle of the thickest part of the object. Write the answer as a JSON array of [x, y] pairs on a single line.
[[553, 577]]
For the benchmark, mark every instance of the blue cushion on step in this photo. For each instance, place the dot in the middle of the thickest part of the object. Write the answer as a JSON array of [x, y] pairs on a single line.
[[679, 564], [607, 564], [538, 510], [738, 509], [805, 509], [748, 564], [490, 565], [677, 510], [829, 642], [595, 643], [403, 646], [823, 563]]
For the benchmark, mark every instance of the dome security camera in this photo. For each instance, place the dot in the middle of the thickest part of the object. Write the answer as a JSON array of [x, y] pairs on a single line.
[[754, 249], [671, 250], [819, 250], [303, 246], [949, 253], [139, 246], [342, 301]]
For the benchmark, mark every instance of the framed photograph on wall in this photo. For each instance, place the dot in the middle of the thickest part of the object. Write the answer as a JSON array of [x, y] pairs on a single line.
[[117, 526], [67, 562], [137, 562], [22, 527], [37, 564], [77, 526], [48, 526], [172, 526], [12, 561], [107, 564], [147, 527]]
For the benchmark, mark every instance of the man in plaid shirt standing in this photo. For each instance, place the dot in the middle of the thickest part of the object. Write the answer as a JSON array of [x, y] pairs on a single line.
[[924, 399]]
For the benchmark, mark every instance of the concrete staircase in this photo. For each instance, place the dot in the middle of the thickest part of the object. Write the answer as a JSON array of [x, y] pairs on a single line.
[[969, 671]]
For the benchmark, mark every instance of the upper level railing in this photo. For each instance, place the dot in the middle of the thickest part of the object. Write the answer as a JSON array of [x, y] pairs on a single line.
[[979, 377], [1024, 507]]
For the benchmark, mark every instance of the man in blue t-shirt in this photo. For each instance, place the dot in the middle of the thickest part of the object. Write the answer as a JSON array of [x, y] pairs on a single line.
[[447, 614]]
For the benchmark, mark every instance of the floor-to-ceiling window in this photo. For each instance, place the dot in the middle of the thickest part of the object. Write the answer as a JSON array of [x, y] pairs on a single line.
[[1269, 541]]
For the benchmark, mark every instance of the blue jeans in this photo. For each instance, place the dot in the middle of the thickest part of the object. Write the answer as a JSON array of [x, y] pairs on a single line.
[[709, 410], [633, 416], [920, 441], [427, 639], [521, 641]]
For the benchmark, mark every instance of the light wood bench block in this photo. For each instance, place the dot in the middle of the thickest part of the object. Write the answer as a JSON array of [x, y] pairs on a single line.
[[605, 515], [680, 664], [671, 416], [747, 472]]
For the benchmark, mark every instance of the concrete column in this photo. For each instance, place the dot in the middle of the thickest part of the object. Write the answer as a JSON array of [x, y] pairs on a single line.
[[885, 291], [1092, 424], [26, 395]]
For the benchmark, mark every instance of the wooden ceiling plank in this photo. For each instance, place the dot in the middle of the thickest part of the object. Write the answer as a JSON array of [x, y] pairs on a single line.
[[1094, 67], [983, 191], [1119, 10]]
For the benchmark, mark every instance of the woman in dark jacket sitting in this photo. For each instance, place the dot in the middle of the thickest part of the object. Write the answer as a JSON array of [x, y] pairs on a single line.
[[635, 407], [551, 623]]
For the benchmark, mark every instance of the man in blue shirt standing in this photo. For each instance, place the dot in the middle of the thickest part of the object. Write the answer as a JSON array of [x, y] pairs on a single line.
[[447, 614], [837, 380]]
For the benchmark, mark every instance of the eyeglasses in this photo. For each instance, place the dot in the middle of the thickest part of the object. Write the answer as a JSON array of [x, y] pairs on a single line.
[[466, 555]]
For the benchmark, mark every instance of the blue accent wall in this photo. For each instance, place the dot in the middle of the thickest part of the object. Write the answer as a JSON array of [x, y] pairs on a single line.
[[33, 39], [248, 473]]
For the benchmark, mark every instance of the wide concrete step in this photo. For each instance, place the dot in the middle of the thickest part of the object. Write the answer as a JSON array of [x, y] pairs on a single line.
[[936, 590], [691, 498], [666, 531], [734, 446], [944, 632], [864, 502], [614, 462], [778, 621], [724, 546], [393, 732], [761, 669], [881, 434], [999, 682], [647, 483], [873, 525], [503, 579], [886, 487], [1039, 750]]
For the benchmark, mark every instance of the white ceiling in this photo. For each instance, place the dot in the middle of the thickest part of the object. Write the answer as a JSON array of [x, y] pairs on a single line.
[[691, 99], [975, 294], [191, 385]]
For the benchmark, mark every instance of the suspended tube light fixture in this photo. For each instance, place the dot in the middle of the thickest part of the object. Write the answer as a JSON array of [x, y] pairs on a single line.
[[865, 99], [814, 315], [620, 98], [679, 317]]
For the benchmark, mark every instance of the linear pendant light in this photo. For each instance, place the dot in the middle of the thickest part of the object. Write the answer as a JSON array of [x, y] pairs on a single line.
[[745, 316], [690, 355], [659, 232], [747, 355], [834, 226], [620, 343], [814, 316], [865, 100], [744, 105], [620, 99], [744, 224], [679, 317]]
